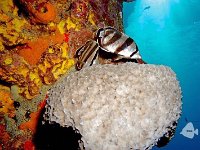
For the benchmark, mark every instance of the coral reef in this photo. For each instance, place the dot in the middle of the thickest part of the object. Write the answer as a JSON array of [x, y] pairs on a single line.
[[124, 106], [38, 40], [28, 31], [23, 47]]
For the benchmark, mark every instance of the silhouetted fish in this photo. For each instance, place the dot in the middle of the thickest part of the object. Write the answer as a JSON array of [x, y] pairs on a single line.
[[146, 8], [189, 131]]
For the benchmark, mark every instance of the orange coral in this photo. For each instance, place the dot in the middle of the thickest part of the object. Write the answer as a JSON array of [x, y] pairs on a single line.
[[35, 63], [45, 14], [32, 123], [40, 11], [28, 145], [34, 49]]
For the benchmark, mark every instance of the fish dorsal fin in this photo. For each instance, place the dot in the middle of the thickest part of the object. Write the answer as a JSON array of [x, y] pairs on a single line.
[[100, 33], [196, 131], [189, 126]]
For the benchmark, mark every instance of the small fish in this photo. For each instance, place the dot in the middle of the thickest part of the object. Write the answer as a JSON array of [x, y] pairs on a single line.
[[87, 54], [146, 8], [109, 40], [188, 131], [113, 41]]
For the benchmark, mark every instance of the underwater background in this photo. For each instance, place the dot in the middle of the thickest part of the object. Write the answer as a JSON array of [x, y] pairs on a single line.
[[168, 32]]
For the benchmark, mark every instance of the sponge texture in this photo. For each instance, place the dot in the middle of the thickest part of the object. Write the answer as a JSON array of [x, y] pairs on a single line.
[[120, 106]]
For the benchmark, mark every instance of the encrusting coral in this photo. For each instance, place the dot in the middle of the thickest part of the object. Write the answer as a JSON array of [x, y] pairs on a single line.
[[38, 40], [29, 28], [117, 106], [6, 103], [23, 46]]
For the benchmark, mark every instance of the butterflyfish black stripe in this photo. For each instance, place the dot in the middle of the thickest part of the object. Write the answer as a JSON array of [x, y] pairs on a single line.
[[107, 33], [94, 58], [127, 43], [116, 37]]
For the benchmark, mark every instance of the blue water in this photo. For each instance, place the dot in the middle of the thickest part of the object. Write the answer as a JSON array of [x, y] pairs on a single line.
[[168, 32]]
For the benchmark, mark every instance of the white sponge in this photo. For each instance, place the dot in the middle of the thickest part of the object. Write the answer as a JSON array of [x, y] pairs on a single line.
[[117, 106]]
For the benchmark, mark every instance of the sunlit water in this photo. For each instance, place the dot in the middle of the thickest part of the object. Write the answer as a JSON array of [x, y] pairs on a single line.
[[168, 32]]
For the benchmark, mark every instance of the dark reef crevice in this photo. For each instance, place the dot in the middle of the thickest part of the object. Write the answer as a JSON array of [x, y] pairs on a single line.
[[54, 137]]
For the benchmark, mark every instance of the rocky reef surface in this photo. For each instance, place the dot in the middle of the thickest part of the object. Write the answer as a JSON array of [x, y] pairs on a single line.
[[38, 40]]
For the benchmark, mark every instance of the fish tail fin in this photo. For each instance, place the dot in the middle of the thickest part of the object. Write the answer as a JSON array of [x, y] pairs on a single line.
[[196, 131]]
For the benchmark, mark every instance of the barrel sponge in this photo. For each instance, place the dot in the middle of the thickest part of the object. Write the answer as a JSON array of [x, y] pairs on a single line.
[[120, 106]]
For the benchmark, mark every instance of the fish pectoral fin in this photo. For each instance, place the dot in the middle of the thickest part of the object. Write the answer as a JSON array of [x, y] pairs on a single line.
[[196, 131]]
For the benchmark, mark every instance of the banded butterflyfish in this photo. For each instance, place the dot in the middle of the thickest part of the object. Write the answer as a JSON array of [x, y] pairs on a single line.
[[109, 40]]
